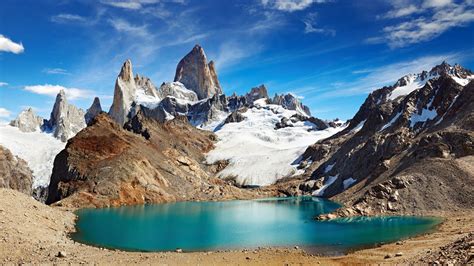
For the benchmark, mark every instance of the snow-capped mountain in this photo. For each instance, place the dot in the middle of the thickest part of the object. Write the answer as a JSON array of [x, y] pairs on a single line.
[[260, 154], [38, 141], [429, 120], [278, 129]]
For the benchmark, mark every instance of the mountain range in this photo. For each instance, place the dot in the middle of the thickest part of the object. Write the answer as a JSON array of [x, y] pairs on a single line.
[[408, 145]]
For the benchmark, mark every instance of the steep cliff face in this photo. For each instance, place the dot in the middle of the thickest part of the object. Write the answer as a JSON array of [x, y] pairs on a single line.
[[14, 172], [197, 75], [396, 151], [124, 94], [66, 119], [105, 165]]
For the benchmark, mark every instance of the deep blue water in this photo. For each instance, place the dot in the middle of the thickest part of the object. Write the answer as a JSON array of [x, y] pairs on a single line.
[[197, 226]]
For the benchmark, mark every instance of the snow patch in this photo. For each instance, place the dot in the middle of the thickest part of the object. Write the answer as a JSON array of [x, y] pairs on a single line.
[[359, 126], [38, 149], [259, 154], [348, 182], [329, 180], [329, 168], [425, 115], [391, 122]]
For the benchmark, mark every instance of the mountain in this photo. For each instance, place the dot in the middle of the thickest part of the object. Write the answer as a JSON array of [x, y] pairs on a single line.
[[66, 119], [14, 172], [93, 111], [407, 148], [107, 165], [291, 102], [196, 74], [28, 121]]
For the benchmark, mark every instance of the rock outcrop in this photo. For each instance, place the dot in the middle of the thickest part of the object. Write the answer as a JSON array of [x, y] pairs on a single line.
[[197, 74], [28, 121], [256, 93], [14, 172], [291, 102], [106, 165], [178, 91], [93, 111], [124, 94], [423, 137], [66, 119]]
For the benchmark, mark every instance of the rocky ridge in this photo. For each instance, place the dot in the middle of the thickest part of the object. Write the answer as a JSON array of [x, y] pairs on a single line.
[[28, 121], [106, 165], [412, 148]]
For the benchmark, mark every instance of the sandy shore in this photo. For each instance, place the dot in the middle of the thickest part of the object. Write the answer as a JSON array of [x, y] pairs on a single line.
[[32, 232]]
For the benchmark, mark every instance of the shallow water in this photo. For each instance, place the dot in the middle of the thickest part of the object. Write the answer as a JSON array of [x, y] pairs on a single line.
[[198, 226]]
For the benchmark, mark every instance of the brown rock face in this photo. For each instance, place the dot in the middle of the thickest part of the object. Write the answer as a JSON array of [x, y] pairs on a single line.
[[198, 75], [14, 172], [424, 138], [105, 165]]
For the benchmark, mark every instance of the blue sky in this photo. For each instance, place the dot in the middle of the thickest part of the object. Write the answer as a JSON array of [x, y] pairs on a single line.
[[331, 53]]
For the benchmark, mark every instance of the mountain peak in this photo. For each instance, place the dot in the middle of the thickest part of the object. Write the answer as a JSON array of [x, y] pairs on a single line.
[[126, 73], [196, 74]]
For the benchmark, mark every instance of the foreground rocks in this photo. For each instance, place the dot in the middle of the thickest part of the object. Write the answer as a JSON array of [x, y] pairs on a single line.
[[14, 172]]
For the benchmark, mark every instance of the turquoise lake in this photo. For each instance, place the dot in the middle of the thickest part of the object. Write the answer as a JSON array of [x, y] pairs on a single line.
[[200, 226]]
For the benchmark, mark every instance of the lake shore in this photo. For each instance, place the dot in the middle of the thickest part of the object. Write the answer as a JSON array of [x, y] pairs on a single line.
[[43, 233]]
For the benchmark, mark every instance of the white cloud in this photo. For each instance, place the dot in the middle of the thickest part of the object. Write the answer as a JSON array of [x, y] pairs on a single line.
[[65, 17], [53, 90], [436, 3], [2, 84], [7, 45], [432, 22], [56, 71], [4, 113], [289, 5], [401, 12], [311, 27], [131, 4]]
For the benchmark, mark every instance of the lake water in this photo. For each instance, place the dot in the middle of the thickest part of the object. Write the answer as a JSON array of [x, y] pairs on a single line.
[[199, 226]]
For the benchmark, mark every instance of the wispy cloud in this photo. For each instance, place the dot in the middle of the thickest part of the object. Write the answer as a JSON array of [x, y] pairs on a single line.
[[56, 71], [312, 27], [9, 46], [436, 17], [129, 4], [2, 84], [124, 26], [289, 5], [4, 113], [53, 90], [66, 17]]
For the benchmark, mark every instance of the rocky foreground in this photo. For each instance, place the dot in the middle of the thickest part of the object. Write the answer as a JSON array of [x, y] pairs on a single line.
[[42, 237]]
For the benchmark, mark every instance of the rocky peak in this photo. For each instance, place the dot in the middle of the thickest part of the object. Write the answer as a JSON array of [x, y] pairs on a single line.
[[27, 121], [197, 75], [126, 73], [446, 69], [94, 110], [257, 93], [124, 94], [291, 102], [66, 119]]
